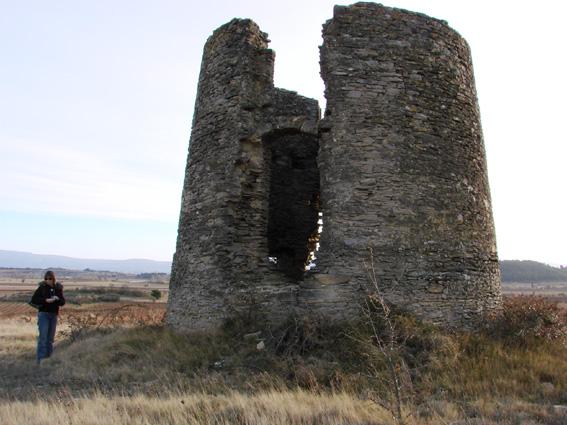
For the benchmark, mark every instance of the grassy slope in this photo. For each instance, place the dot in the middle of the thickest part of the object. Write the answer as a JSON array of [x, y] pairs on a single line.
[[308, 374]]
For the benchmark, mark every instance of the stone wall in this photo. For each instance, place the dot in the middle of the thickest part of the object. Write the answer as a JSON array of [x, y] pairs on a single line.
[[222, 251], [402, 164], [396, 167]]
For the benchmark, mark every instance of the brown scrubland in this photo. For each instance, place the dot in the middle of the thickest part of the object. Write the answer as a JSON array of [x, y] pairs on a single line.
[[117, 363]]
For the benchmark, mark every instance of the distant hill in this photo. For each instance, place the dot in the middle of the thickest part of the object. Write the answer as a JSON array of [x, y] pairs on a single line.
[[512, 270], [18, 259], [531, 271]]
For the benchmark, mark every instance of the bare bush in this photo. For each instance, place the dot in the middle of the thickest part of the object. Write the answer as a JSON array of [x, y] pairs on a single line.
[[527, 318]]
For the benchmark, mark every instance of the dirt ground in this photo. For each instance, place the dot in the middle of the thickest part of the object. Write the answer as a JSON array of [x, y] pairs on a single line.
[[22, 311]]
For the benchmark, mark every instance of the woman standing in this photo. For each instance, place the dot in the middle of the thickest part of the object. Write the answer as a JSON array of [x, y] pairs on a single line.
[[48, 297]]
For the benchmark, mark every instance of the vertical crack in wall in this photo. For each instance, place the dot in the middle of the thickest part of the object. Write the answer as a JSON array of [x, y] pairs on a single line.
[[314, 238], [293, 198]]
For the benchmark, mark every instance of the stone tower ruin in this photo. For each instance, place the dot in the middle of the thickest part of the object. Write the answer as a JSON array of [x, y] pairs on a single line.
[[396, 169]]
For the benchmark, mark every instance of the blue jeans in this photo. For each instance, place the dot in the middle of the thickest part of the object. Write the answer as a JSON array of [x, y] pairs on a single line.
[[46, 323]]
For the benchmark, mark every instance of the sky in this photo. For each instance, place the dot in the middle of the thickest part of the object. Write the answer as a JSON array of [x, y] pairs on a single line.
[[96, 103]]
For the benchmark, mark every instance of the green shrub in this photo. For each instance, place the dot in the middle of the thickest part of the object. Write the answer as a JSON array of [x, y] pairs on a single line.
[[108, 298], [155, 294]]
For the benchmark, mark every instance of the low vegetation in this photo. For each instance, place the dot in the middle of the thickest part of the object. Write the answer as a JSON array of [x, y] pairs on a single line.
[[88, 295], [528, 319], [301, 372]]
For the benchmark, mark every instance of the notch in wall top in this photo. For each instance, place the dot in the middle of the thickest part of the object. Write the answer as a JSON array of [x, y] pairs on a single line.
[[240, 30]]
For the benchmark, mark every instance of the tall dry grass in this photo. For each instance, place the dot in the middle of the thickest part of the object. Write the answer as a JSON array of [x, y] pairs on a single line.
[[488, 368], [309, 373], [297, 407], [17, 337], [274, 408]]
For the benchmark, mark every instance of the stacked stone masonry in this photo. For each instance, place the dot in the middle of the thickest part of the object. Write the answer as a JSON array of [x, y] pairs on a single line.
[[396, 170]]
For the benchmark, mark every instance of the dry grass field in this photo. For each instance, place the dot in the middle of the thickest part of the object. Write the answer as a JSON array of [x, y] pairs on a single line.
[[554, 291], [10, 286], [115, 363]]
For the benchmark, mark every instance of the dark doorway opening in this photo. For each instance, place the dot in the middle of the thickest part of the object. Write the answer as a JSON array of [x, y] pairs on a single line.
[[291, 157]]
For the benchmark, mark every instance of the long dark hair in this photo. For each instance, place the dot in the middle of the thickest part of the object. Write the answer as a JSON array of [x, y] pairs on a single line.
[[49, 275]]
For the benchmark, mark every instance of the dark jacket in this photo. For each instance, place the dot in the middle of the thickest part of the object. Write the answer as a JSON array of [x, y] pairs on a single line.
[[45, 291]]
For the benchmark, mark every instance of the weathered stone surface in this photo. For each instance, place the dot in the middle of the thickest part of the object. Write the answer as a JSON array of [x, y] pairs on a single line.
[[251, 185], [397, 166], [402, 164]]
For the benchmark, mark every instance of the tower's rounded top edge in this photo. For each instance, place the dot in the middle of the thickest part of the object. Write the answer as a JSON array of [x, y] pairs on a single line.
[[370, 9], [379, 7]]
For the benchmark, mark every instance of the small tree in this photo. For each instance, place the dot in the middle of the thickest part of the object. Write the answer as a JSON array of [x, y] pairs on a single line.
[[155, 294], [386, 347]]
